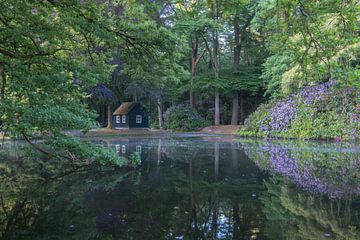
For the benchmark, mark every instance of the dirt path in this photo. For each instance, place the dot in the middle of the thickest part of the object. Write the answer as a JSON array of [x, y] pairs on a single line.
[[104, 132], [221, 129]]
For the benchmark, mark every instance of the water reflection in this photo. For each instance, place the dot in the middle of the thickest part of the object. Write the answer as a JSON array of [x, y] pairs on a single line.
[[318, 168], [188, 188]]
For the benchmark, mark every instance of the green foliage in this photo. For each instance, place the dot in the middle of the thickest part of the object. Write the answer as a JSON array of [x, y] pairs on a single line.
[[51, 52], [47, 60], [183, 118], [309, 41], [247, 79], [134, 159], [274, 68], [85, 152]]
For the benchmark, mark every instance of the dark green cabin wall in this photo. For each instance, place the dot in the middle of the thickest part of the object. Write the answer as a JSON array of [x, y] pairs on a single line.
[[131, 119], [138, 110]]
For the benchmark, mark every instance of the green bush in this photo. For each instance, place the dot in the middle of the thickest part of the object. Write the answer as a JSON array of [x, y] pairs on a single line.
[[183, 118]]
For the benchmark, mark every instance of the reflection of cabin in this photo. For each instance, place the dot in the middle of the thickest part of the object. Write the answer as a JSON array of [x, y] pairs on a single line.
[[130, 115], [126, 148]]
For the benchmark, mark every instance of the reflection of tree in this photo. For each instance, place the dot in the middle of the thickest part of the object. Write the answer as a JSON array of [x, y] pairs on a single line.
[[302, 216], [42, 198], [198, 190], [192, 194]]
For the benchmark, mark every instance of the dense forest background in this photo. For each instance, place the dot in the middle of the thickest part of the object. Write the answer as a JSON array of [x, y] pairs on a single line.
[[224, 58], [214, 61]]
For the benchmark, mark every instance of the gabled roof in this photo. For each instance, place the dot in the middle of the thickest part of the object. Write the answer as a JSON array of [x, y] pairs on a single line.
[[125, 108]]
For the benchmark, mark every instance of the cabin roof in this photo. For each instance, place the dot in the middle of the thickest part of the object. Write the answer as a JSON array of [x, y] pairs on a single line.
[[125, 108]]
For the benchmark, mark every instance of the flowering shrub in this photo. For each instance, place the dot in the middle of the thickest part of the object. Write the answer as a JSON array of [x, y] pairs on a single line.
[[183, 118], [321, 111], [282, 115], [312, 94]]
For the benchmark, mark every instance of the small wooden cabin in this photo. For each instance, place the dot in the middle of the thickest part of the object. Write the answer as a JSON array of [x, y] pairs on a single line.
[[130, 115]]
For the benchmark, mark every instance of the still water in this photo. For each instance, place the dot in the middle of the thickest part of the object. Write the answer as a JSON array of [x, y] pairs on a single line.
[[189, 187]]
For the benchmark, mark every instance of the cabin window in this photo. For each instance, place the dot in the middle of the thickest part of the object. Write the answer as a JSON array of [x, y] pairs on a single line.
[[138, 119], [138, 148], [123, 119], [117, 147], [123, 149], [117, 119]]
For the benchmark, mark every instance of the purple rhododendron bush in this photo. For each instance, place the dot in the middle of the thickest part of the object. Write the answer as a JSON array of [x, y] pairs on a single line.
[[322, 111]]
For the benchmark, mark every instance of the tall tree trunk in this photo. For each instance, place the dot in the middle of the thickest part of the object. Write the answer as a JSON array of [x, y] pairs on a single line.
[[242, 107], [237, 47], [192, 94], [194, 59], [3, 82], [160, 113], [217, 107], [215, 9], [109, 117], [235, 109], [236, 71], [246, 57], [104, 116]]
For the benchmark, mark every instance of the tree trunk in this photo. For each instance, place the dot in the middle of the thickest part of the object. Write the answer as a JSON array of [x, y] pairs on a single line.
[[236, 70], [242, 107], [194, 59], [237, 47], [160, 113], [109, 117], [104, 115], [215, 61], [246, 57], [217, 107], [192, 94], [235, 109], [3, 82]]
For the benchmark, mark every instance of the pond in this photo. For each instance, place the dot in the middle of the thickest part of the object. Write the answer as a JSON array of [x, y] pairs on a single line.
[[189, 187]]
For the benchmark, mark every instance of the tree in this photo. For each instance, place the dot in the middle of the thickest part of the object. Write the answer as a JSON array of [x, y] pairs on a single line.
[[53, 51], [309, 43]]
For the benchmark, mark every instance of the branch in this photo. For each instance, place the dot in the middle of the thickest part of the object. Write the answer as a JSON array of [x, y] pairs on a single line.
[[199, 58], [34, 145], [207, 47], [88, 49], [35, 44], [7, 53]]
